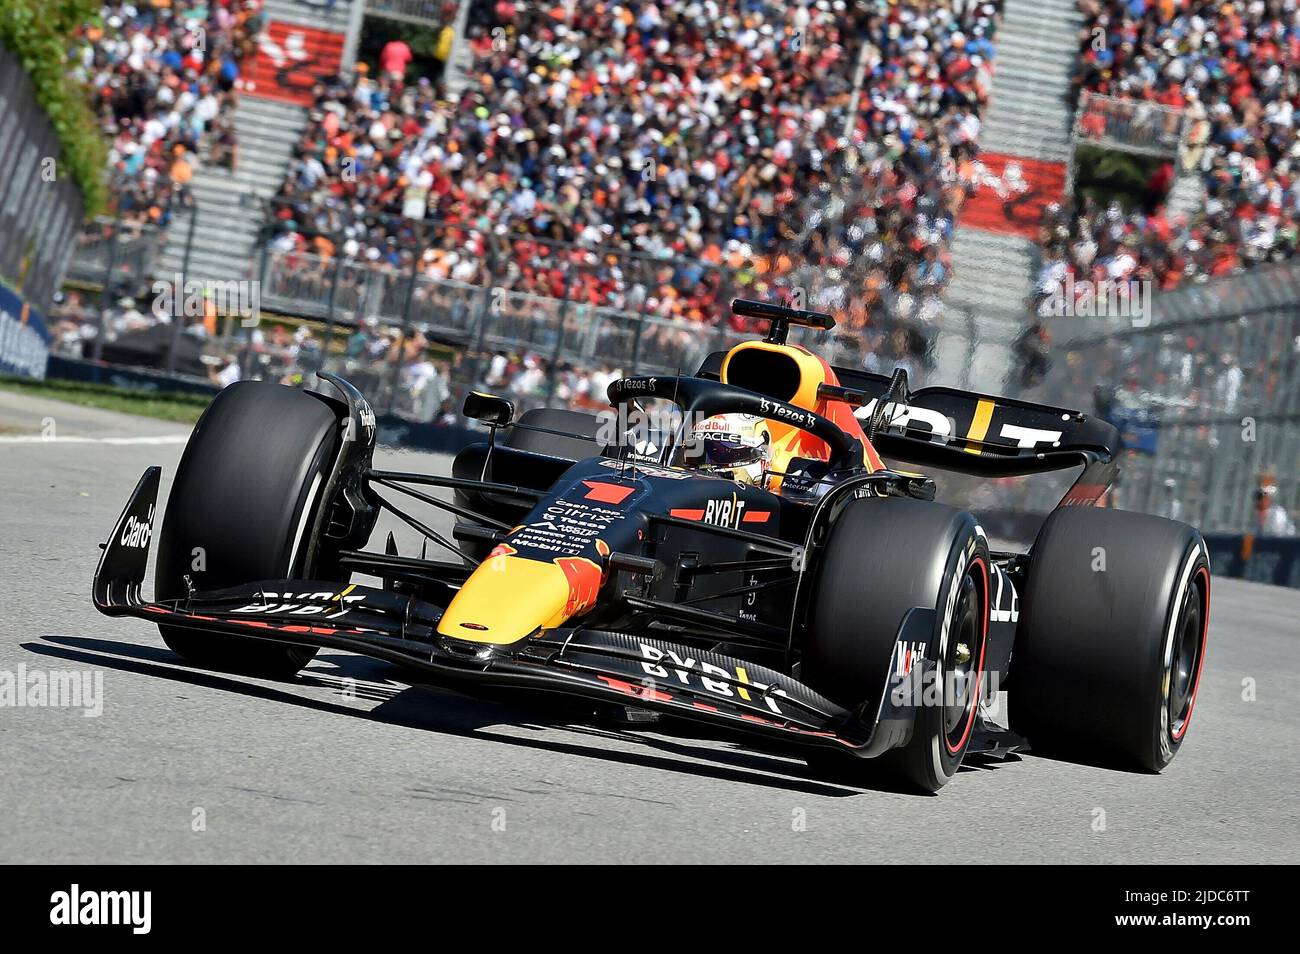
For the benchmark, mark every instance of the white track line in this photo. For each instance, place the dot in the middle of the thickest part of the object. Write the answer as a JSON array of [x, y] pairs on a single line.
[[39, 439]]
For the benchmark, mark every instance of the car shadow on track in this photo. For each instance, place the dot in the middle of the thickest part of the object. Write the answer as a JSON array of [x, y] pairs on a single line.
[[445, 711]]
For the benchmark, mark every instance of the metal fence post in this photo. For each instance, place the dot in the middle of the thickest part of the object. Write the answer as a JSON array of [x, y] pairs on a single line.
[[636, 346], [331, 306], [246, 359], [972, 344], [484, 316], [553, 376], [395, 375], [178, 294], [106, 294]]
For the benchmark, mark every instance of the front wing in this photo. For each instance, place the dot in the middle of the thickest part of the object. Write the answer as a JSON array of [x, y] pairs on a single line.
[[590, 663]]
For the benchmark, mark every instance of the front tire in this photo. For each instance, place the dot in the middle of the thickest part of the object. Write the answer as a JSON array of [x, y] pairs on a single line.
[[1112, 637], [241, 510], [884, 557]]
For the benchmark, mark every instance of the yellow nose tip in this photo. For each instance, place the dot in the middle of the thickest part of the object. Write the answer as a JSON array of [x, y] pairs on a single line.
[[508, 597]]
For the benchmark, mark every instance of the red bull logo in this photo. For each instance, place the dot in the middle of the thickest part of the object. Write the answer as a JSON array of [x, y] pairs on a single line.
[[584, 578]]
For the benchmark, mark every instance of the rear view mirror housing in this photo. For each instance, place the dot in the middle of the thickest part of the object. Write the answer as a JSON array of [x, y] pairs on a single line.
[[488, 408]]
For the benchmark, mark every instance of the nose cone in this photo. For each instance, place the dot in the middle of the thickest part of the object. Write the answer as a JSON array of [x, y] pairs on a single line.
[[510, 597]]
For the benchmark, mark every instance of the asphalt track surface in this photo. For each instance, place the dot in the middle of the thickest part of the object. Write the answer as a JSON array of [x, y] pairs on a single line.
[[311, 771]]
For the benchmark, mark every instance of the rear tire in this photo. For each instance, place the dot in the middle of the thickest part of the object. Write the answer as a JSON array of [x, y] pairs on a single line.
[[577, 440], [1112, 637], [241, 509], [885, 557]]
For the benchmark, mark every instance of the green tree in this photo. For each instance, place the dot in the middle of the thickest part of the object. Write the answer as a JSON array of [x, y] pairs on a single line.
[[40, 33]]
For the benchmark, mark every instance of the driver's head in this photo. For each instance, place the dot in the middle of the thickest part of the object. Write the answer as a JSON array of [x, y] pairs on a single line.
[[733, 445]]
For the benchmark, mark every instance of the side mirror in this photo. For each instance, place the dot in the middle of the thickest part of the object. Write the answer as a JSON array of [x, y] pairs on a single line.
[[488, 408]]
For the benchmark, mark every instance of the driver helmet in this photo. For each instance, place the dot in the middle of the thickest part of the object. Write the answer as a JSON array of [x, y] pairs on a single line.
[[733, 445]]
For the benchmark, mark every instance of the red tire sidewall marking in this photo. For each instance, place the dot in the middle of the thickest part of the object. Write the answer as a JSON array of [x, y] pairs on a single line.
[[979, 668], [1204, 574]]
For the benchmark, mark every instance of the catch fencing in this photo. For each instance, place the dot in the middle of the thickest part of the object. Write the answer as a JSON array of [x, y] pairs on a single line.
[[447, 308], [117, 253], [548, 323], [1207, 396]]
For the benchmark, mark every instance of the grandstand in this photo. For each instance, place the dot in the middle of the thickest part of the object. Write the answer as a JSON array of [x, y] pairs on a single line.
[[1229, 72]]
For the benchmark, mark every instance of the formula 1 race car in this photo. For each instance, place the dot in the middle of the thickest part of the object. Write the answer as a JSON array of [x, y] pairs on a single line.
[[756, 566]]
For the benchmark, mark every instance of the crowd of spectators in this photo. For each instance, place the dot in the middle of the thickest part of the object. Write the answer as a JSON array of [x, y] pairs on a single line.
[[1233, 68], [681, 153], [164, 74]]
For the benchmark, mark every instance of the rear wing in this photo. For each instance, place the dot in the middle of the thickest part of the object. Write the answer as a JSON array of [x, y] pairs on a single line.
[[981, 434], [972, 433]]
